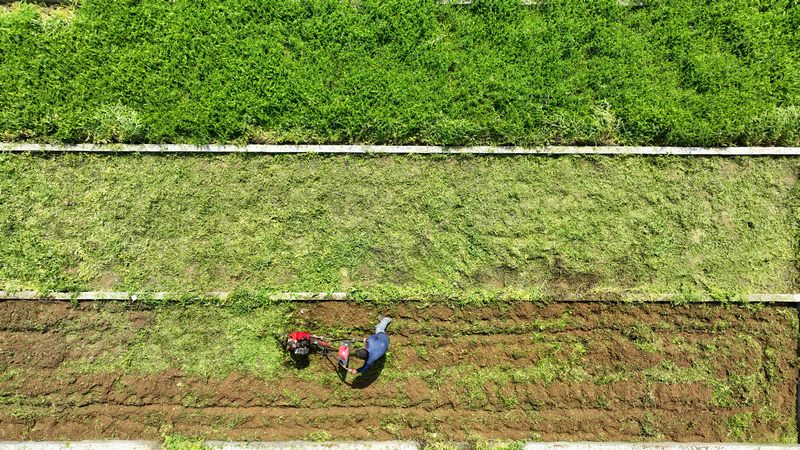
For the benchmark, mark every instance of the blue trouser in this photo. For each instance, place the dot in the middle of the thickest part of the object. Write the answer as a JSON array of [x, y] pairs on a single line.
[[381, 327], [376, 344]]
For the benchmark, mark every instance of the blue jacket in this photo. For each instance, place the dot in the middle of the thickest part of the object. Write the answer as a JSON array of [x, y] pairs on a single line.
[[377, 344]]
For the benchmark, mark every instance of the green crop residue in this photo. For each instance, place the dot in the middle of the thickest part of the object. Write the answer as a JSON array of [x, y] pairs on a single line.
[[182, 442], [468, 231], [403, 71], [739, 426], [198, 340]]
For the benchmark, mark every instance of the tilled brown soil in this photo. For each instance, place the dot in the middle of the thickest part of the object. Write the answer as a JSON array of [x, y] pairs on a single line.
[[562, 371]]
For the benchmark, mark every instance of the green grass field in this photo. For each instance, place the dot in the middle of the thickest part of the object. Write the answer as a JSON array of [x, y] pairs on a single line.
[[457, 228], [675, 72]]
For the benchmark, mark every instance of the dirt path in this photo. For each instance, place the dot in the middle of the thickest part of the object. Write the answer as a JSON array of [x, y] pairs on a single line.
[[525, 371]]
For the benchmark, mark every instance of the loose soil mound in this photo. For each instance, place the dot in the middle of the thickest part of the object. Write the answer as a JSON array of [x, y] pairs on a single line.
[[523, 371]]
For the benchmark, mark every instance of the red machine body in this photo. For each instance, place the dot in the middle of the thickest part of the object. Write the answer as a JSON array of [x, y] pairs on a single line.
[[344, 354], [301, 343], [299, 335]]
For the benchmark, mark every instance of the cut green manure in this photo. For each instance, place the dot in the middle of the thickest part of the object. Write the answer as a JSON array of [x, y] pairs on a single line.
[[675, 72], [202, 341], [436, 228]]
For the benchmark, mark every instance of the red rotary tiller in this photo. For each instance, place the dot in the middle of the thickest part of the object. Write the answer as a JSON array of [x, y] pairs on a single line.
[[301, 344]]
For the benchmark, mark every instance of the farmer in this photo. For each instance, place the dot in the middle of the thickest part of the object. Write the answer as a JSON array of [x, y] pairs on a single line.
[[375, 347]]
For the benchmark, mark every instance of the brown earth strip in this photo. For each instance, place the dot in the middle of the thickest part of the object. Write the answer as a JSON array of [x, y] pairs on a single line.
[[519, 371]]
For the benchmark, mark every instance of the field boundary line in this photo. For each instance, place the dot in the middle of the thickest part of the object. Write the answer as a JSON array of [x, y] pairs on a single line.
[[378, 445], [305, 445], [400, 149], [80, 445], [214, 445], [344, 296], [653, 446]]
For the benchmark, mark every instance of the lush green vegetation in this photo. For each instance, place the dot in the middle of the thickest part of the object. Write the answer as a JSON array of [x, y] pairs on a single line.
[[444, 228], [676, 72]]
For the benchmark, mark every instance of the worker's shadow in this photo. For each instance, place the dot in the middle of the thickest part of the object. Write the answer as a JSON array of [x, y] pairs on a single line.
[[364, 380]]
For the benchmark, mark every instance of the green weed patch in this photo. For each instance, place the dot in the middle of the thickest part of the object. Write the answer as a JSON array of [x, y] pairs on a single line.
[[198, 340], [403, 71], [435, 229]]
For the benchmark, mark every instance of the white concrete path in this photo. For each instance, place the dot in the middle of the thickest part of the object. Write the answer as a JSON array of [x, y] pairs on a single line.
[[378, 445], [80, 445], [304, 445], [343, 296], [403, 149]]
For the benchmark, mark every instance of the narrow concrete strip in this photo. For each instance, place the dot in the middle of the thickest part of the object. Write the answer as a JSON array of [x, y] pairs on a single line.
[[220, 445], [288, 445], [774, 298], [404, 149], [343, 296], [653, 446], [380, 445], [133, 296], [81, 445]]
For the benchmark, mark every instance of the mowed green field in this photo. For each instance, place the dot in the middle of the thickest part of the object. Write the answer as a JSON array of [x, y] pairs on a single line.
[[674, 72], [459, 229]]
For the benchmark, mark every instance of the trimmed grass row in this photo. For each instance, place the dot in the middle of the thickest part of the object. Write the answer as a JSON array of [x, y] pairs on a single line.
[[438, 228], [674, 72]]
